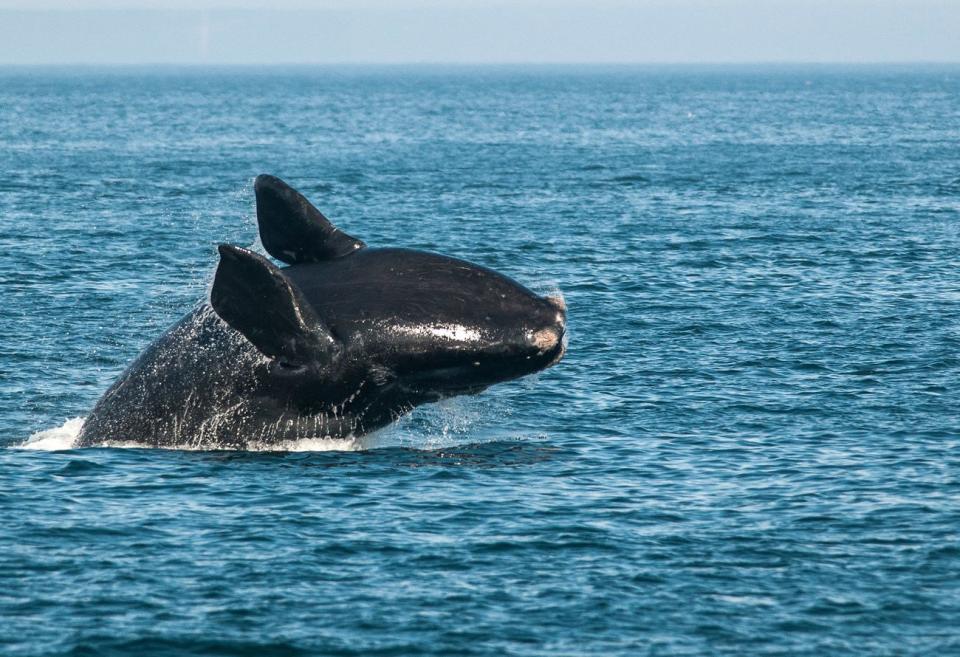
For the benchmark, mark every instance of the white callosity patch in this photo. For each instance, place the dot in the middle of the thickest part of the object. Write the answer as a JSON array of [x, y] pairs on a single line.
[[557, 300], [545, 339]]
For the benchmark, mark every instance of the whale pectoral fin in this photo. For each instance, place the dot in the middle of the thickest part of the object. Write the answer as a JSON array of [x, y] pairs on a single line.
[[294, 231], [254, 297]]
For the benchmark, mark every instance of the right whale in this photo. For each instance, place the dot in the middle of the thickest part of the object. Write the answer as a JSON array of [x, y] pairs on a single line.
[[339, 343]]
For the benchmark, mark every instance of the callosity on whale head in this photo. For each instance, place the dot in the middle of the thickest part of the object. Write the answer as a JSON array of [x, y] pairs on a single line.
[[340, 342]]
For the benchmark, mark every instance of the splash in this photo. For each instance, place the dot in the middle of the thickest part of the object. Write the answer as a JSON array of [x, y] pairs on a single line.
[[55, 438], [311, 445], [442, 425], [301, 445], [65, 437]]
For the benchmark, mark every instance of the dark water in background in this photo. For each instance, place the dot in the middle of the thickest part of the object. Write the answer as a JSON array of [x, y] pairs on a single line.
[[750, 448]]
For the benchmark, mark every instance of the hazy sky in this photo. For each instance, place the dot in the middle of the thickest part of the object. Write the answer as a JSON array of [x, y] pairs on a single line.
[[258, 32]]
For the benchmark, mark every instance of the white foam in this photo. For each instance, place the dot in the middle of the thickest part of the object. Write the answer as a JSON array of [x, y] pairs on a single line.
[[56, 438], [302, 445], [65, 437], [435, 426], [311, 445]]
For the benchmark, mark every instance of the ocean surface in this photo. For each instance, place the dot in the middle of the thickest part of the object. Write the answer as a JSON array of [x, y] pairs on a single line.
[[752, 446]]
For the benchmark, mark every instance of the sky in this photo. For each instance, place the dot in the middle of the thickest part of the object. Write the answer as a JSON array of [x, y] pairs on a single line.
[[477, 31]]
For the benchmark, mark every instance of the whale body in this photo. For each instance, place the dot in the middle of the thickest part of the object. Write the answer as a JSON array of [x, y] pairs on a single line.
[[341, 341]]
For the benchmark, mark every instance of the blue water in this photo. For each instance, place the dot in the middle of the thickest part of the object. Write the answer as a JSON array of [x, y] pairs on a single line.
[[751, 447]]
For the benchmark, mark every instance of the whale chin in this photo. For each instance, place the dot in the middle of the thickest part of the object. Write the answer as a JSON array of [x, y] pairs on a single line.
[[446, 393]]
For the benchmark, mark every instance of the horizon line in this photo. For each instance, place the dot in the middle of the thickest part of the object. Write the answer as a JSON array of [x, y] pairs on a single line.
[[478, 64]]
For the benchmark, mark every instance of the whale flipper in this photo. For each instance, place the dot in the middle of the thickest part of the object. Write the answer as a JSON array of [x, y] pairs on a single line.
[[252, 295], [292, 230]]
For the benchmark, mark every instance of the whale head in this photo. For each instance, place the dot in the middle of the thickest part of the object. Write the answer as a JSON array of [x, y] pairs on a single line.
[[375, 331], [451, 327]]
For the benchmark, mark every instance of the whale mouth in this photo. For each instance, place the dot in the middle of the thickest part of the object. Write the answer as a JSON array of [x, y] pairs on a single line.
[[434, 394]]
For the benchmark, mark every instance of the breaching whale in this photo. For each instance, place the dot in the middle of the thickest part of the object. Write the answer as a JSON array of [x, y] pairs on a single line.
[[342, 341]]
